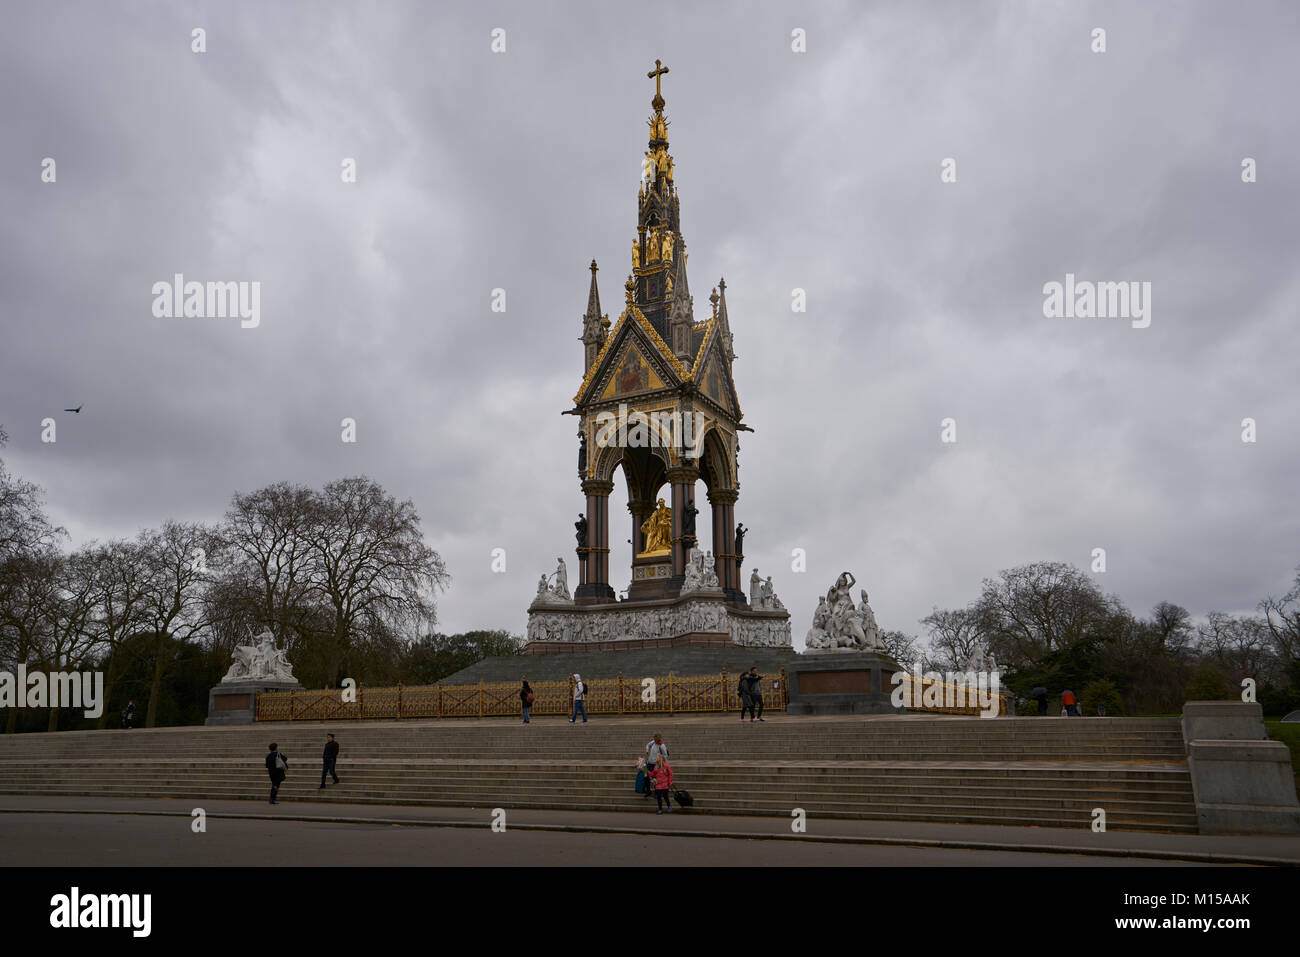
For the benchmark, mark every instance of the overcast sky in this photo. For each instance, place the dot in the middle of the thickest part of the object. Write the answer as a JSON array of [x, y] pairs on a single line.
[[817, 170]]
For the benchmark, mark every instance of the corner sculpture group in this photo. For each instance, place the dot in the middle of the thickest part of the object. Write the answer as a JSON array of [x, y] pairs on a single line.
[[839, 625]]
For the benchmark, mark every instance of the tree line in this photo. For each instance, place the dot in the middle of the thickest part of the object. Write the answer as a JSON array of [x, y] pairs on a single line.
[[340, 575], [1050, 624]]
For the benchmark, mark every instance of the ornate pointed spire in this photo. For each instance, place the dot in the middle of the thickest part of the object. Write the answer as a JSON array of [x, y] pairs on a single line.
[[724, 328], [681, 312], [593, 297], [594, 324]]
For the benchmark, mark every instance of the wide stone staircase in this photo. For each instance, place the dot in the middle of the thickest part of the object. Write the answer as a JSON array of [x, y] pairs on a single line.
[[1017, 771]]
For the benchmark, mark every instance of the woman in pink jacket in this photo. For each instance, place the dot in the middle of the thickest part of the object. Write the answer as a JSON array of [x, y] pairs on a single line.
[[662, 776]]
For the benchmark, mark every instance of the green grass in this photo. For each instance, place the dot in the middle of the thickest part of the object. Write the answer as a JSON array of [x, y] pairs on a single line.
[[1288, 734]]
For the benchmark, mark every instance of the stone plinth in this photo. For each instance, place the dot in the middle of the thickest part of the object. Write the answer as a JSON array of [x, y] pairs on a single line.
[[235, 702], [841, 682], [1242, 782], [1223, 721]]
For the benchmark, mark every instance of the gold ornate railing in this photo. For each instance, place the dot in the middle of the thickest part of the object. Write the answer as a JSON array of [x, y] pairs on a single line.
[[668, 694]]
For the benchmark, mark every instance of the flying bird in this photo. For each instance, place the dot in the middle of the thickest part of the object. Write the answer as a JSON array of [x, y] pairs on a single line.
[[77, 409]]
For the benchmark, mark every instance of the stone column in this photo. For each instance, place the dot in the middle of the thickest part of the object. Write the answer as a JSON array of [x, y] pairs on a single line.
[[594, 582], [683, 483], [640, 512], [724, 537]]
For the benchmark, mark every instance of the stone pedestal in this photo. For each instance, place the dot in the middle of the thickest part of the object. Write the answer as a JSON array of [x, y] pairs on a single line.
[[1242, 782], [235, 702], [841, 682]]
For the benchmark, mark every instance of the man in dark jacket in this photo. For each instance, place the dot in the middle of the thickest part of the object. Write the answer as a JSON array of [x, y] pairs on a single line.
[[331, 755], [276, 766], [128, 715], [755, 695], [746, 698]]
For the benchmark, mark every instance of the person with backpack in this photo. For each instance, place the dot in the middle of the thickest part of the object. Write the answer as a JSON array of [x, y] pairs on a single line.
[[1069, 703], [579, 699], [755, 695], [276, 766], [662, 776], [329, 758], [128, 715], [526, 699], [746, 697]]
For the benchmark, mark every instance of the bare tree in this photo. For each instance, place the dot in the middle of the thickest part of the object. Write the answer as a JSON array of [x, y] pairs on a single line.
[[954, 636], [1033, 610], [176, 561], [1282, 619], [268, 531], [370, 561]]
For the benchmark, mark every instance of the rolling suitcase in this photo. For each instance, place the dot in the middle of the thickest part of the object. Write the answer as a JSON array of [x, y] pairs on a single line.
[[640, 782]]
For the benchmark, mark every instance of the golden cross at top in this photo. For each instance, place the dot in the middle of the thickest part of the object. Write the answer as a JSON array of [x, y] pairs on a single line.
[[654, 74]]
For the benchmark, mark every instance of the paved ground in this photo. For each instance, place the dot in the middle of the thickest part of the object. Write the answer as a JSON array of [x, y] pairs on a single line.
[[127, 840], [87, 831]]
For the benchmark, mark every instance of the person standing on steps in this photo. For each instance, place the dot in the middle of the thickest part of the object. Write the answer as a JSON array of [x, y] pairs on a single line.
[[755, 695], [662, 776], [579, 699], [330, 757], [746, 698], [128, 715], [655, 751], [276, 766], [526, 699]]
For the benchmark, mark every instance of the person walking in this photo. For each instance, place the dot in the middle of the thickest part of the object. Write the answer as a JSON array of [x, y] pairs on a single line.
[[1069, 703], [1039, 694], [662, 776], [276, 766], [128, 715], [526, 700], [330, 757], [746, 699], [579, 699], [755, 695]]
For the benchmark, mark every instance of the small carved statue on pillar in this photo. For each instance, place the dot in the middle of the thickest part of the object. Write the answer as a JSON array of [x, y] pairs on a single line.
[[740, 545], [581, 526]]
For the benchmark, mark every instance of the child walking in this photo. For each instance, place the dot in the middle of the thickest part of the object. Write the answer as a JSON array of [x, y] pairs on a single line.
[[662, 776]]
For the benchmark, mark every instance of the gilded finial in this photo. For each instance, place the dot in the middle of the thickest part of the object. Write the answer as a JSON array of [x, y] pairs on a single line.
[[655, 74], [630, 288], [713, 300]]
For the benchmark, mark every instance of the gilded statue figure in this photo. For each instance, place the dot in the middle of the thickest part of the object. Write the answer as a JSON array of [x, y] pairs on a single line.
[[652, 246], [668, 245], [658, 530], [636, 253], [662, 161]]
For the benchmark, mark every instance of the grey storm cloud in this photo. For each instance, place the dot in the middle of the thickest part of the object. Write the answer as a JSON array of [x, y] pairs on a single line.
[[817, 170]]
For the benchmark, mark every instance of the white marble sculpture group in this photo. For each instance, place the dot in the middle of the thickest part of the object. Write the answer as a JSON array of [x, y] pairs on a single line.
[[700, 572], [260, 661], [761, 595], [559, 592], [839, 626]]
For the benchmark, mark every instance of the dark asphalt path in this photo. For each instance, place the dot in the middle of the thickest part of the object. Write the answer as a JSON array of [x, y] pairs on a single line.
[[90, 840]]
